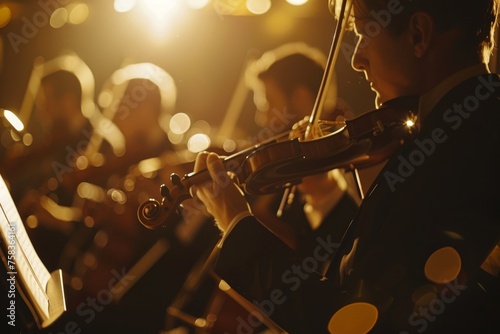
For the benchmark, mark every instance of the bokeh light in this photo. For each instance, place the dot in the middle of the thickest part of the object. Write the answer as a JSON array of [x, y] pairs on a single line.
[[258, 6], [198, 142], [59, 17], [5, 16], [443, 266], [355, 318], [13, 120], [78, 13], [297, 2], [123, 6], [180, 123]]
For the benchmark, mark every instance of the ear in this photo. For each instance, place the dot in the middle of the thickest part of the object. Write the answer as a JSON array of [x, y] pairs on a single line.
[[422, 30]]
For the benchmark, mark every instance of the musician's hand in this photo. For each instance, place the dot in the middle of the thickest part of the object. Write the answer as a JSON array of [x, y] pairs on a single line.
[[223, 199]]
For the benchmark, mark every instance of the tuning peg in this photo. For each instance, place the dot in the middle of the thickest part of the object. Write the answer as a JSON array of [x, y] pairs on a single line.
[[165, 192], [176, 180]]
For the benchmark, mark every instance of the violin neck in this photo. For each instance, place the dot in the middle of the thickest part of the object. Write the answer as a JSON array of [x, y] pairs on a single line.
[[232, 163]]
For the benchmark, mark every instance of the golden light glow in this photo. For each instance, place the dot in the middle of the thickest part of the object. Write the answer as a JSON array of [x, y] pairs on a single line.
[[105, 98], [201, 126], [223, 285], [355, 318], [258, 6], [62, 213], [149, 165], [278, 24], [59, 18], [226, 7], [78, 13], [297, 2], [5, 16], [123, 6], [229, 145], [443, 266], [198, 142], [90, 191], [175, 138], [117, 196], [129, 184], [200, 323], [13, 120], [410, 123], [32, 221], [27, 139], [180, 123], [161, 8], [158, 16], [82, 162], [197, 4]]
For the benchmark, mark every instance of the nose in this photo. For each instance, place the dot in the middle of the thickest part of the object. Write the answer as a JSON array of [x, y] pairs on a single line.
[[359, 61]]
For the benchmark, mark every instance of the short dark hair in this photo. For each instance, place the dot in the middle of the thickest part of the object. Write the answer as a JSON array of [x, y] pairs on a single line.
[[476, 18], [293, 70], [64, 83]]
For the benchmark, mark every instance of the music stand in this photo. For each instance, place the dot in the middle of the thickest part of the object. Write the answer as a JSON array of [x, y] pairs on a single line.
[[42, 292]]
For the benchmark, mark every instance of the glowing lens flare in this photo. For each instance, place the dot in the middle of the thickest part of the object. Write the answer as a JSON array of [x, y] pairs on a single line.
[[13, 120]]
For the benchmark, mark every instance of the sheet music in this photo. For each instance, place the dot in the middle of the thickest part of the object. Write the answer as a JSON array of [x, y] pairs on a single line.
[[23, 260]]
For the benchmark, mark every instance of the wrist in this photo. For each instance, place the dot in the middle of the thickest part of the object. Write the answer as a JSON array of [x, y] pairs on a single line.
[[240, 216]]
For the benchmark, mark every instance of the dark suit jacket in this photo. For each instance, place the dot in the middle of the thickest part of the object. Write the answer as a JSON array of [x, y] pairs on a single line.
[[438, 195], [256, 263]]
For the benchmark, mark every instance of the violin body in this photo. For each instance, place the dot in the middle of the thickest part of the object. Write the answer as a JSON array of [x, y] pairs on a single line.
[[354, 144]]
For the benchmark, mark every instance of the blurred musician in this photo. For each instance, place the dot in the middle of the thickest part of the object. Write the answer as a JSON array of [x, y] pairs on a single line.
[[57, 123], [59, 131], [288, 86]]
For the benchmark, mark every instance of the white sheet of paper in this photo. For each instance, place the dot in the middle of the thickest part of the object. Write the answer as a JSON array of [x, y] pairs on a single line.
[[23, 260]]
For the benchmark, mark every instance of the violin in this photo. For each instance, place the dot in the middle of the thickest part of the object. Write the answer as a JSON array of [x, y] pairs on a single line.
[[268, 167], [272, 166]]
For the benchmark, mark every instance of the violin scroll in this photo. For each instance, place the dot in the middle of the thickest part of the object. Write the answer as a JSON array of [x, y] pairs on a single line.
[[154, 214], [148, 214]]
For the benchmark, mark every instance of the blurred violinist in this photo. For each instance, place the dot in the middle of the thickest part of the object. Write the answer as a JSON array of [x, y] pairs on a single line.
[[411, 260], [289, 84]]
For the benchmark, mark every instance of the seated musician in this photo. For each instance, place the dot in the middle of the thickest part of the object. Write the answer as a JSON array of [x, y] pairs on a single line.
[[411, 259]]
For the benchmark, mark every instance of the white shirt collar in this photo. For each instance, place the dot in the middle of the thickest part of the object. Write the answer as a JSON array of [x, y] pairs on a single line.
[[316, 213]]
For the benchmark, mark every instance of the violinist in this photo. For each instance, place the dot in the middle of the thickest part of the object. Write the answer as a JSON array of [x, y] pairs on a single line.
[[410, 261]]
